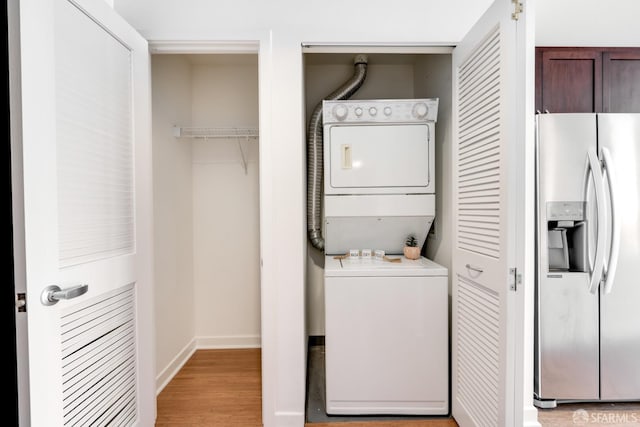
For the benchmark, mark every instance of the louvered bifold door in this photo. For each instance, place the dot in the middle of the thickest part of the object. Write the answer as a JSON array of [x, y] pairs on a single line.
[[483, 132]]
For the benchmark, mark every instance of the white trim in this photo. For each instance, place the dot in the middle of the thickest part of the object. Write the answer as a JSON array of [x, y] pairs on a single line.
[[229, 341], [289, 419], [203, 46], [202, 343], [530, 417], [174, 366], [268, 278], [525, 262], [376, 48]]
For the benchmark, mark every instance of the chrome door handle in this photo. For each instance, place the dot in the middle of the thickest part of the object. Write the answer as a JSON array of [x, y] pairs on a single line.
[[614, 247], [593, 164], [472, 268], [52, 294]]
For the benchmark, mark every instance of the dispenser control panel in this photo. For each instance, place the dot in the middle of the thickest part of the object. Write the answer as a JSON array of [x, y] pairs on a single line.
[[565, 211]]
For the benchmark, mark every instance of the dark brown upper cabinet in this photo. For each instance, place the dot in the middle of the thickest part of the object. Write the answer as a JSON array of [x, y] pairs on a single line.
[[621, 81], [585, 79]]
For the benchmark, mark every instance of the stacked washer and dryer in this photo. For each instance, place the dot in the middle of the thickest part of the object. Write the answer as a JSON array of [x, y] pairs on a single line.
[[386, 322]]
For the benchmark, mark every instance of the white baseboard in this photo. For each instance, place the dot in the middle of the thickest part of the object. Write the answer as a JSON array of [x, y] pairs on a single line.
[[231, 341], [203, 343], [174, 366], [530, 416], [288, 419]]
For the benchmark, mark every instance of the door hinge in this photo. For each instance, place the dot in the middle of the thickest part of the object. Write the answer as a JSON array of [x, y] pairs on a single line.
[[518, 8], [21, 302], [515, 279]]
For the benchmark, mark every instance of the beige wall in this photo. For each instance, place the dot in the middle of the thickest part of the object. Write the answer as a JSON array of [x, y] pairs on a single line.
[[173, 241], [226, 234]]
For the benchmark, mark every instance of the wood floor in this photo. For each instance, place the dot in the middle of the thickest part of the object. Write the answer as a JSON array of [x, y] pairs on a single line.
[[214, 388], [222, 388]]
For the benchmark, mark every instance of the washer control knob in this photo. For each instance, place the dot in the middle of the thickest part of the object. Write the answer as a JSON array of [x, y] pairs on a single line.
[[387, 111], [373, 111], [420, 110], [358, 111], [340, 111]]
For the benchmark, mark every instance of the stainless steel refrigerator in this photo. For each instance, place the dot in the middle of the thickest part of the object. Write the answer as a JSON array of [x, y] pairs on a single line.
[[587, 335]]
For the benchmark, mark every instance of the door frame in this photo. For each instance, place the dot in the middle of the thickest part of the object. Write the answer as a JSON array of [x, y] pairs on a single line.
[[268, 286], [524, 161]]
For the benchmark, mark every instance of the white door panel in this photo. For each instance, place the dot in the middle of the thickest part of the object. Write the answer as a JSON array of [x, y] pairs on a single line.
[[87, 188], [485, 112]]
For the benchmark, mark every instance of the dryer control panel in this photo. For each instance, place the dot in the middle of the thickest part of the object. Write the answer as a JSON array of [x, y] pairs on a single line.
[[380, 110]]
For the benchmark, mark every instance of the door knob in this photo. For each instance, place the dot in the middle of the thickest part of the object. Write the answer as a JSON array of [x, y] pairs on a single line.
[[52, 294]]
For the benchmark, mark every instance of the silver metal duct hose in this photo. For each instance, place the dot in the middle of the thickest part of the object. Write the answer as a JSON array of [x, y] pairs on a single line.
[[315, 152]]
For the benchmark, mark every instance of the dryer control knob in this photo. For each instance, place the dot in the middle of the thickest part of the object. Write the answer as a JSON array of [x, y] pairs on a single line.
[[420, 110], [387, 111], [373, 111], [358, 111], [340, 111]]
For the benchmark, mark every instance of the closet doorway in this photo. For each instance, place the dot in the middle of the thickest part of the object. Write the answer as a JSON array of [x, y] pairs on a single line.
[[206, 204]]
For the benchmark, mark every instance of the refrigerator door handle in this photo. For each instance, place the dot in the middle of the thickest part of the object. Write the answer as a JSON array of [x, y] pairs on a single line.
[[598, 184], [614, 248]]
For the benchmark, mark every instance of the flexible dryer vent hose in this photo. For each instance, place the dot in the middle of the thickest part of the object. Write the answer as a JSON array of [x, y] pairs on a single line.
[[315, 152]]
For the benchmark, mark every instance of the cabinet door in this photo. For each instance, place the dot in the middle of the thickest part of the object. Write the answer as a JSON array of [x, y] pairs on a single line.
[[569, 80], [621, 81]]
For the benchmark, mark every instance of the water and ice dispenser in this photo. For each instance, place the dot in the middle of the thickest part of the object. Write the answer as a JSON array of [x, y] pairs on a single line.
[[566, 236]]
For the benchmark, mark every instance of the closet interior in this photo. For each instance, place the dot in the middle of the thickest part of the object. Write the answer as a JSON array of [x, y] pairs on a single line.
[[206, 205]]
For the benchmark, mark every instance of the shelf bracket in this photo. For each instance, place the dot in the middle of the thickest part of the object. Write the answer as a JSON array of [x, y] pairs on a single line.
[[242, 155]]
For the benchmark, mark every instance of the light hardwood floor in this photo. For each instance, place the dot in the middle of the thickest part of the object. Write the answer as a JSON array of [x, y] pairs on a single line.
[[214, 388], [222, 388]]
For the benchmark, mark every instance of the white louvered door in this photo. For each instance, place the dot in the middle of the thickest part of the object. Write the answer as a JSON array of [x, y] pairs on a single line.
[[485, 112], [87, 202]]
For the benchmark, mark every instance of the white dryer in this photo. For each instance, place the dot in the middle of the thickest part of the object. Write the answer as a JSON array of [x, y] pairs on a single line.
[[379, 172], [386, 337]]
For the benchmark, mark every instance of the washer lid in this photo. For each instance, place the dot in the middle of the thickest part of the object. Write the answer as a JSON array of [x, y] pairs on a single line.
[[374, 267]]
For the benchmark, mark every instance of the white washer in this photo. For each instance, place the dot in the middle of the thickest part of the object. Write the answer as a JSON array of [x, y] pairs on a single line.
[[386, 337]]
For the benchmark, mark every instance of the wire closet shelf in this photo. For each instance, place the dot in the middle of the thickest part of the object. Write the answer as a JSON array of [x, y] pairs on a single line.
[[237, 133]]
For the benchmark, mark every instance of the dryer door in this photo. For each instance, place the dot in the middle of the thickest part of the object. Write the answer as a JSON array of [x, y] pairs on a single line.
[[379, 158]]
